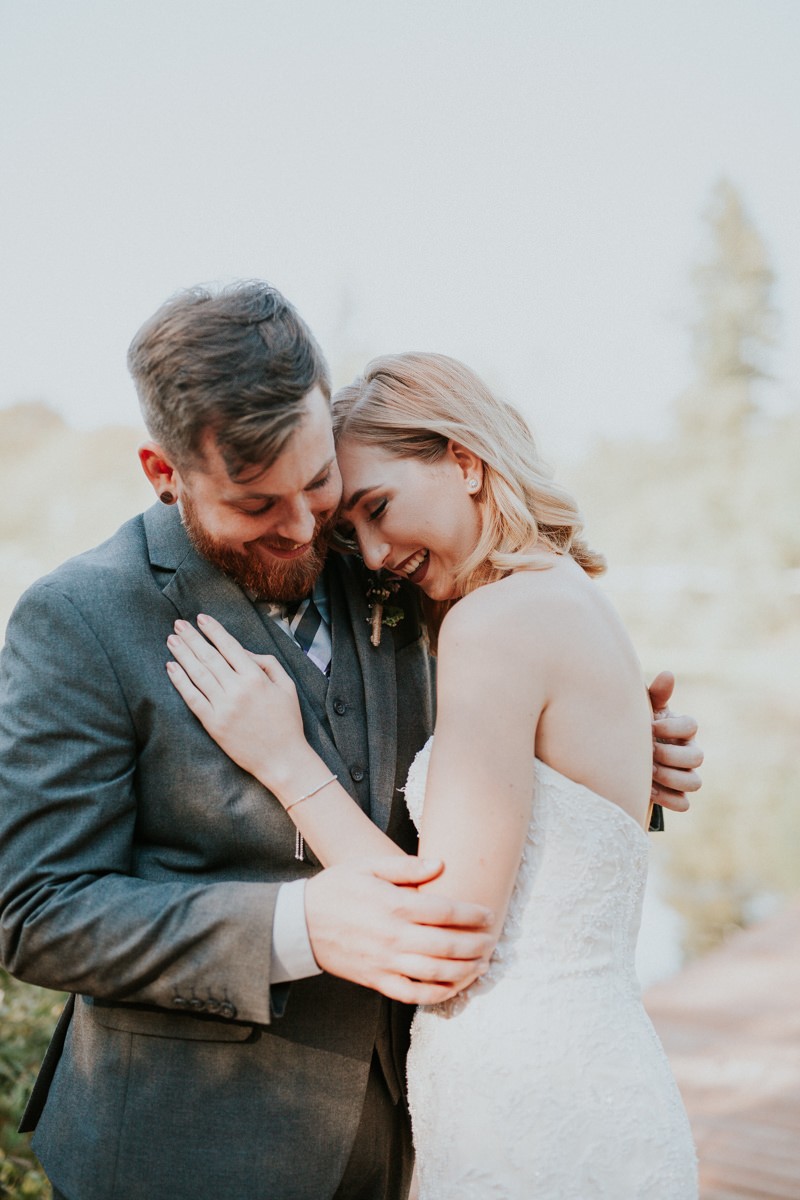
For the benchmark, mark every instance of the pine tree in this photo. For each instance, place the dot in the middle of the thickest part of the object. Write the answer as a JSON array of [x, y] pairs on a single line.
[[734, 327]]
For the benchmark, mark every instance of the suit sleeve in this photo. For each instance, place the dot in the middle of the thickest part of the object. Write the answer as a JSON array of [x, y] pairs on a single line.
[[73, 914]]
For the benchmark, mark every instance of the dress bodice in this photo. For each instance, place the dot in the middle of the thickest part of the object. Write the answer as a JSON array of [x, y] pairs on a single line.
[[576, 905], [545, 1078]]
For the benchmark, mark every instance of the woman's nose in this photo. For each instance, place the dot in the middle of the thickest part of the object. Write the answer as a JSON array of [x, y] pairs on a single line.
[[374, 551]]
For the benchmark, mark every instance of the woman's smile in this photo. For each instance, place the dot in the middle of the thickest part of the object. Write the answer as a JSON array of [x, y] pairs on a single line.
[[416, 519], [415, 567]]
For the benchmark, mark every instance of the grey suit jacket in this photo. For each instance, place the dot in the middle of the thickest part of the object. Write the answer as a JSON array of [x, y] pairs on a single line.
[[139, 869]]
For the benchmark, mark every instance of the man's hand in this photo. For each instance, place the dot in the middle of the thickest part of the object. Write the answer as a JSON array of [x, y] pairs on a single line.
[[676, 756], [367, 923]]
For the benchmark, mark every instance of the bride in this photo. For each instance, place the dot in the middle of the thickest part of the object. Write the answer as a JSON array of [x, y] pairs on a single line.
[[543, 1078]]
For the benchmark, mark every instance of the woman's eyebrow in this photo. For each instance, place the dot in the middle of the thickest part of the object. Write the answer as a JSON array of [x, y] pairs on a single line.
[[359, 495]]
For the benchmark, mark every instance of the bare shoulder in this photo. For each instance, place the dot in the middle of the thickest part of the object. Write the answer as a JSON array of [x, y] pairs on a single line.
[[486, 682], [506, 639], [527, 608]]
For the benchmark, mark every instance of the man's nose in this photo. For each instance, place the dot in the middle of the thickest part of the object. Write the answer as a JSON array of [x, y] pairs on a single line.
[[297, 522]]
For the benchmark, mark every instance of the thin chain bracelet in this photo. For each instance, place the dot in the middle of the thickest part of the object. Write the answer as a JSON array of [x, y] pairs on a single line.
[[308, 795], [299, 843]]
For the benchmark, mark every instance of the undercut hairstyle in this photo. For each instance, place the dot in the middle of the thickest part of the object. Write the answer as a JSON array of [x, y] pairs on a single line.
[[237, 364], [412, 406]]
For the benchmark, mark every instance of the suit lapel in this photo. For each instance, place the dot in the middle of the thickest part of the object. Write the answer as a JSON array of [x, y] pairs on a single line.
[[193, 585]]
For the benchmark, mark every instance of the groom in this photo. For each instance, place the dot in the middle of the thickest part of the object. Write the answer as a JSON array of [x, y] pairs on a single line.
[[231, 1031]]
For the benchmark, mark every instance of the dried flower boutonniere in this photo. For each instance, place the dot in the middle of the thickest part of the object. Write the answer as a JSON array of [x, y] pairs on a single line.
[[379, 590]]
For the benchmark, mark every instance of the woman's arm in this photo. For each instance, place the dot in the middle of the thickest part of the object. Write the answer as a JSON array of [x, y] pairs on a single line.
[[249, 705], [481, 777], [480, 784], [431, 946]]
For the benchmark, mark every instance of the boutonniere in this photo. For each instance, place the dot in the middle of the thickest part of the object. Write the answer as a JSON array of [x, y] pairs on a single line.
[[379, 590]]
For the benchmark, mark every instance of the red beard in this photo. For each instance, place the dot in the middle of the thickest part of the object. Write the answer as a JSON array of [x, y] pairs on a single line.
[[285, 580]]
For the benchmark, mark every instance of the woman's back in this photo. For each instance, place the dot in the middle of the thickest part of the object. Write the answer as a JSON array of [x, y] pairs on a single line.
[[595, 725]]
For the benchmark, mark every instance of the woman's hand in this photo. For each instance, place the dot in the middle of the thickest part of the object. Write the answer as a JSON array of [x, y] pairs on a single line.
[[246, 702]]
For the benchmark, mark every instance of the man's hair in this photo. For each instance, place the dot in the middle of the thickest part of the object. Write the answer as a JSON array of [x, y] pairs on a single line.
[[236, 363]]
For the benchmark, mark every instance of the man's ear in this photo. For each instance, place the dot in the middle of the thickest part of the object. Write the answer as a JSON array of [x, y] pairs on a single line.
[[159, 470]]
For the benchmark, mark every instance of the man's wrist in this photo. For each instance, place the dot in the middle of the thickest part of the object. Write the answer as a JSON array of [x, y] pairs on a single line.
[[292, 956]]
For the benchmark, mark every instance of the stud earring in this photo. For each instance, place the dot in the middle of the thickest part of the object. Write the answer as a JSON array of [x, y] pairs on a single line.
[[472, 484], [166, 497]]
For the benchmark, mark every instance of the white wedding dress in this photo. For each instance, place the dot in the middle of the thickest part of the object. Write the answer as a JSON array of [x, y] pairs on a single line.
[[545, 1079]]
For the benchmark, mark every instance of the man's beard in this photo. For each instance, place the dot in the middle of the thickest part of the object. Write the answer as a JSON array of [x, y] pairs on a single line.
[[283, 580]]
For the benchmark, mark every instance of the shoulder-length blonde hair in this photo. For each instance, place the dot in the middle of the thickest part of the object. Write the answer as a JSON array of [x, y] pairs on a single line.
[[412, 405]]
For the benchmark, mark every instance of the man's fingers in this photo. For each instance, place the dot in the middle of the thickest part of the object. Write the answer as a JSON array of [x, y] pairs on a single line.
[[676, 780], [679, 757], [442, 912], [661, 690], [675, 728], [444, 945], [405, 869], [420, 908], [440, 970], [424, 908], [364, 927], [674, 801], [412, 991]]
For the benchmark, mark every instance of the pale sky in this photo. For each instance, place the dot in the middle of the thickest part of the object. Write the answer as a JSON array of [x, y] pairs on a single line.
[[519, 183]]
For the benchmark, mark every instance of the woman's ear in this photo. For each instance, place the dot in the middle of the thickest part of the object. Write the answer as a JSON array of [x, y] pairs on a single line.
[[470, 465], [160, 471]]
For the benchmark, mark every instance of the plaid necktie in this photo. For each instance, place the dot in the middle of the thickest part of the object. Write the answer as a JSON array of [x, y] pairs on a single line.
[[312, 633], [307, 623]]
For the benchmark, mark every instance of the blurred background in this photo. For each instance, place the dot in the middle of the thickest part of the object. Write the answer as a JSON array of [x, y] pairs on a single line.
[[595, 205]]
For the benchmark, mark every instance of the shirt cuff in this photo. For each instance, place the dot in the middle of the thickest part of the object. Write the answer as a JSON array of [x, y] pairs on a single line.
[[292, 956]]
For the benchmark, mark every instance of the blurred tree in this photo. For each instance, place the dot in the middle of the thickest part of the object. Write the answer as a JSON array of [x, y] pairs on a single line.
[[734, 328], [702, 535]]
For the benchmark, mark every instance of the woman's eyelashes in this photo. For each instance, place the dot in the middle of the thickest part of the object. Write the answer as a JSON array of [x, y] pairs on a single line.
[[379, 509]]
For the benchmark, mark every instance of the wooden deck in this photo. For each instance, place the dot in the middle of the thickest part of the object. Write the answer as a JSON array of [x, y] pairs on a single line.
[[730, 1024]]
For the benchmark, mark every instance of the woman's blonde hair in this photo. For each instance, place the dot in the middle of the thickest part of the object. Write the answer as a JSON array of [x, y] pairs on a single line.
[[412, 405]]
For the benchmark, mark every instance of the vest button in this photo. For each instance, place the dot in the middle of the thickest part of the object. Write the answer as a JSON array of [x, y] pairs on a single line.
[[339, 707], [357, 773]]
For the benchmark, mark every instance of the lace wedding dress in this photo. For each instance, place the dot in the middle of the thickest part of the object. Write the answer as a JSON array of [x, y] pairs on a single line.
[[545, 1078]]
